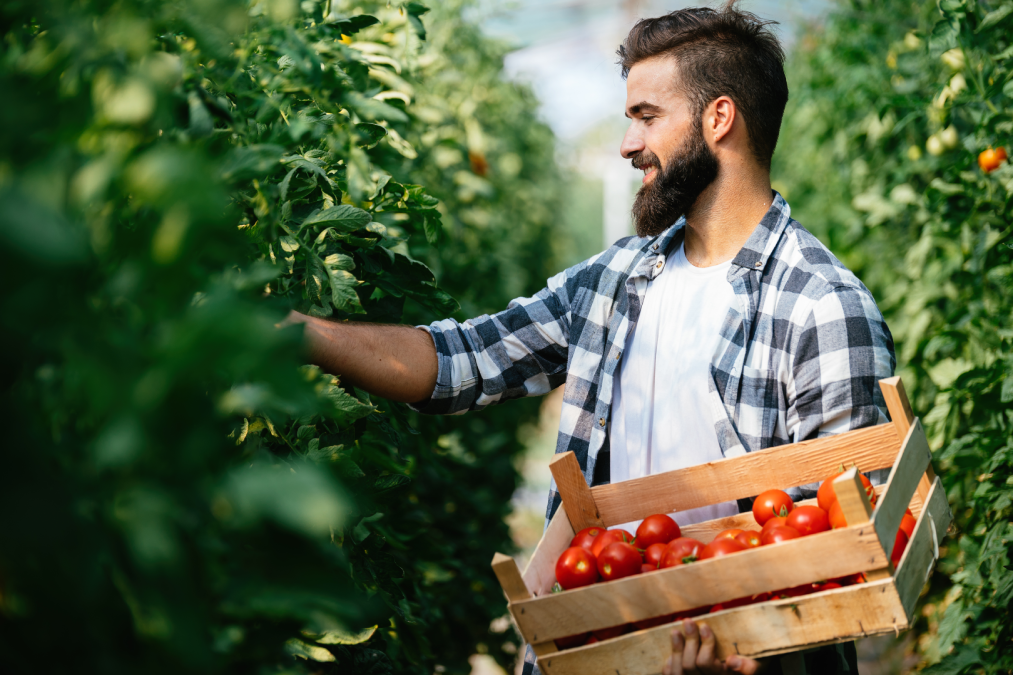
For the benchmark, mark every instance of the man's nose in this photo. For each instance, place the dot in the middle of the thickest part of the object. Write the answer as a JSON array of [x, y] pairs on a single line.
[[632, 143]]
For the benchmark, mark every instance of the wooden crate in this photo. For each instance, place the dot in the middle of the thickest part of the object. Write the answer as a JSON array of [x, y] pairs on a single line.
[[884, 604]]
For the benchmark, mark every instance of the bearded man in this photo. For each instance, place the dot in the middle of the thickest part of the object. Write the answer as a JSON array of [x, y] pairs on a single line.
[[723, 327]]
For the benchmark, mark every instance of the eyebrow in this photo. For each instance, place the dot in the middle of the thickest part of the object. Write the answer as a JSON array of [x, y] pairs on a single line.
[[643, 107]]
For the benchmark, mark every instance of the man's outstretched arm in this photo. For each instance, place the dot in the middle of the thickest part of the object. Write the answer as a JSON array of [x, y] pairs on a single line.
[[396, 362]]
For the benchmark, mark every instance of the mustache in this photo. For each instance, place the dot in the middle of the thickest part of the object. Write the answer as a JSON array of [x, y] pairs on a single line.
[[644, 159]]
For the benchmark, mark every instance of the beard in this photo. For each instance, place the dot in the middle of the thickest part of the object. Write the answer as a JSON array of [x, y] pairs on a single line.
[[676, 187]]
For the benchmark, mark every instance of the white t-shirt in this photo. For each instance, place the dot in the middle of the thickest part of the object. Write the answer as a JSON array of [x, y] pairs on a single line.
[[660, 416]]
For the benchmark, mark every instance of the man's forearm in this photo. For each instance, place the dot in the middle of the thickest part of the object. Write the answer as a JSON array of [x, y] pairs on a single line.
[[396, 362]]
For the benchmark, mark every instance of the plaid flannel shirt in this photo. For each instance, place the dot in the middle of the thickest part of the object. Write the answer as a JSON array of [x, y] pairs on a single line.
[[800, 352]]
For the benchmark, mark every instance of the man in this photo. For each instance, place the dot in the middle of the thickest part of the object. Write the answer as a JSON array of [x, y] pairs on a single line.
[[723, 328]]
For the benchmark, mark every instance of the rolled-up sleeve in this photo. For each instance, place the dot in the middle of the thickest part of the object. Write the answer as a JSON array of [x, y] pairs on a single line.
[[521, 351]]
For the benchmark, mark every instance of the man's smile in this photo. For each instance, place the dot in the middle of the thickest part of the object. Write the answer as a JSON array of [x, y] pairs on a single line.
[[649, 172]]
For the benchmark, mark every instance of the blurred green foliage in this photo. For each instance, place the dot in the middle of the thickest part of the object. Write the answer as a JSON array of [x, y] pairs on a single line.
[[179, 494], [892, 100]]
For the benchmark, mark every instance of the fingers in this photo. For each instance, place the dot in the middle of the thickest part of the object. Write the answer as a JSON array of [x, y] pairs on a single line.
[[689, 652], [740, 664], [705, 657], [673, 666]]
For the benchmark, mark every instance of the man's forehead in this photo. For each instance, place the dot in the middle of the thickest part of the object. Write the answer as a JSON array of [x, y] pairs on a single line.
[[652, 84]]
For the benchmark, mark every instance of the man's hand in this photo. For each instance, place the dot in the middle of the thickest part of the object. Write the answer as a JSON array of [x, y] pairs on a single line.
[[693, 652]]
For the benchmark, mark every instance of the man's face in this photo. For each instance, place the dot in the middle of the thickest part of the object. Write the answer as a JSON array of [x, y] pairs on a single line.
[[665, 140]]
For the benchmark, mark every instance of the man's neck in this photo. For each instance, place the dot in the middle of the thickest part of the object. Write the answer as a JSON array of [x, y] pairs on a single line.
[[722, 218]]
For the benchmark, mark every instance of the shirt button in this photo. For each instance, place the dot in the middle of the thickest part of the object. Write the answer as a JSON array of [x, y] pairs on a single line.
[[618, 354], [661, 263], [758, 264], [655, 247], [601, 421]]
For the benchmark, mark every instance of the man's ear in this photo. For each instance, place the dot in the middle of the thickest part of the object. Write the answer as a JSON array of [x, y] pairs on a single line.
[[719, 118]]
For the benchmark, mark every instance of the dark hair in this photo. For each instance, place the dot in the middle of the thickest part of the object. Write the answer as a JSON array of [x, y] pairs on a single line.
[[724, 52]]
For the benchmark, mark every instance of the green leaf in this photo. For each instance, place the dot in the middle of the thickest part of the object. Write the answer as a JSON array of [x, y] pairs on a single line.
[[384, 483], [415, 10], [995, 16], [372, 109], [338, 636], [350, 25], [433, 227], [345, 408], [309, 652], [369, 134], [343, 217], [251, 162]]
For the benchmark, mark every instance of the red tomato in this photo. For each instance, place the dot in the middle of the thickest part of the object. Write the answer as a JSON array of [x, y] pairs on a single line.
[[836, 516], [778, 534], [826, 586], [609, 537], [576, 568], [808, 520], [729, 534], [585, 538], [645, 568], [609, 633], [654, 553], [850, 580], [771, 524], [591, 640], [989, 160], [907, 525], [899, 544], [680, 551], [619, 560], [770, 504], [826, 496], [720, 548], [748, 538], [571, 641], [656, 529]]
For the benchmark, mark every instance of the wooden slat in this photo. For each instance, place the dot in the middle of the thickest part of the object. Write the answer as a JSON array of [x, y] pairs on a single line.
[[540, 574], [897, 403], [919, 556], [758, 630], [855, 505], [509, 577], [707, 530], [902, 416], [907, 471], [745, 476], [574, 491], [768, 568]]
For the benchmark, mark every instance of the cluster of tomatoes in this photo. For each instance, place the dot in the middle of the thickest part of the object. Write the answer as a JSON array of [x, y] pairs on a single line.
[[596, 554]]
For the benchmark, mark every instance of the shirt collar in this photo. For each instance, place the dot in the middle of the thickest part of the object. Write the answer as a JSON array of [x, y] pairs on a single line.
[[757, 249], [760, 245]]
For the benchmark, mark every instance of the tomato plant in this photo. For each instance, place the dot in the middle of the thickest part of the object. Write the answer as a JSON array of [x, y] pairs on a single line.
[[885, 79]]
